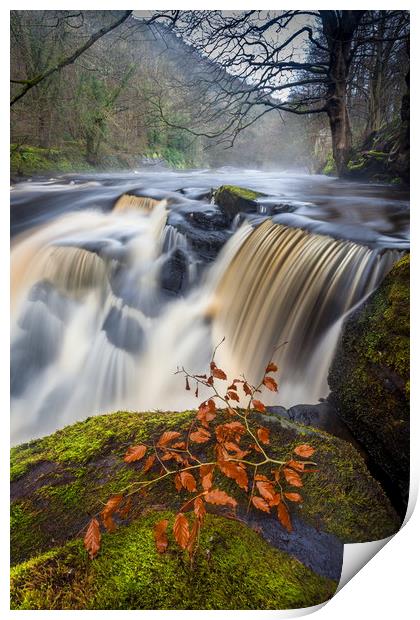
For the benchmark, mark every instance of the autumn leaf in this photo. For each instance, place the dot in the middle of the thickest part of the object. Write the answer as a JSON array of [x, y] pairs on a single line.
[[187, 385], [167, 437], [92, 539], [260, 503], [258, 405], [135, 453], [206, 474], [298, 465], [187, 481], [293, 497], [177, 482], [148, 463], [219, 374], [181, 530], [304, 450], [220, 498], [271, 367], [193, 537], [233, 396], [234, 471], [232, 386], [199, 509], [247, 389], [109, 509], [125, 510], [200, 436], [266, 489], [284, 516], [270, 384], [161, 538], [263, 435], [292, 477]]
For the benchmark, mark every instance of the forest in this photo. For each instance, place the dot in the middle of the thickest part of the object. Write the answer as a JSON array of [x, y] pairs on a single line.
[[210, 304], [109, 89]]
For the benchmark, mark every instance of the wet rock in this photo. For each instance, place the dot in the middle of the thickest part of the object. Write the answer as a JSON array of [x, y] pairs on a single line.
[[369, 379], [174, 272], [124, 332], [233, 200]]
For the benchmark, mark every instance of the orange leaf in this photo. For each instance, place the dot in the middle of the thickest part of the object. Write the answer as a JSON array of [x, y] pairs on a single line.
[[177, 482], [293, 497], [270, 384], [220, 498], [199, 509], [266, 490], [258, 405], [135, 453], [200, 436], [271, 367], [167, 437], [232, 386], [92, 539], [181, 530], [255, 447], [298, 465], [304, 450], [148, 463], [261, 477], [206, 474], [193, 536], [261, 504], [233, 396], [263, 435], [247, 389], [187, 481], [161, 539], [292, 477], [284, 516], [219, 374], [234, 471], [112, 505]]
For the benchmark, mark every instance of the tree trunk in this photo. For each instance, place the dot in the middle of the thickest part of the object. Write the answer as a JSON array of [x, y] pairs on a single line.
[[339, 28]]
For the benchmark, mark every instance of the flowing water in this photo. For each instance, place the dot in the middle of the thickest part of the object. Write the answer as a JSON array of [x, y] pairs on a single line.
[[112, 292]]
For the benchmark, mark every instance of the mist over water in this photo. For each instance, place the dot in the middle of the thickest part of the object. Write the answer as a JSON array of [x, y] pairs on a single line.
[[107, 301]]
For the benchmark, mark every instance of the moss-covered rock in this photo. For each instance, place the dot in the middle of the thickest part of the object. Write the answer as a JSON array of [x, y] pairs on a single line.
[[62, 479], [233, 200], [233, 569], [369, 378]]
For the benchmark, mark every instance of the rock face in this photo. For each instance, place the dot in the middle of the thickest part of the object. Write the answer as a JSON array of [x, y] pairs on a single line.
[[233, 200], [369, 379], [60, 481]]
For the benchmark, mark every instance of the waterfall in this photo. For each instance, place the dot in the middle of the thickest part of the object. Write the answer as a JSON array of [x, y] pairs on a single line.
[[92, 331]]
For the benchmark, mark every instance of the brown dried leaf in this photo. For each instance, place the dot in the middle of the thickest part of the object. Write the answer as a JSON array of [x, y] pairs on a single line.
[[187, 481], [135, 453], [260, 503], [161, 538], [92, 539], [292, 477], [266, 489], [219, 374], [284, 516], [234, 471], [199, 509], [293, 497], [200, 435], [177, 482], [193, 537], [270, 383], [247, 389], [233, 396], [125, 510], [181, 530], [148, 463], [263, 435], [258, 405], [304, 450], [271, 367], [220, 498], [298, 465], [167, 437]]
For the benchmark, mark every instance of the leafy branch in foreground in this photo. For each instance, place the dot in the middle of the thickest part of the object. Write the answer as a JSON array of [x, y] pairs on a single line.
[[224, 438]]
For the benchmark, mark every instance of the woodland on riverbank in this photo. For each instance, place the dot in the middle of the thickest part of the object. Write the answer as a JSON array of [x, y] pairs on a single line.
[[168, 95]]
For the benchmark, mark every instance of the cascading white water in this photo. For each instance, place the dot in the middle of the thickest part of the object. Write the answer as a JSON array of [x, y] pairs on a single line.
[[92, 331]]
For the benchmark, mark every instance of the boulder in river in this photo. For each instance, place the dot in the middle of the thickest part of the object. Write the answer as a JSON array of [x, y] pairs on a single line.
[[60, 481], [369, 379], [233, 200]]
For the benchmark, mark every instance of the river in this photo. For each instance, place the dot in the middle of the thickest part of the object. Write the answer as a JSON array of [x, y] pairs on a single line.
[[108, 300]]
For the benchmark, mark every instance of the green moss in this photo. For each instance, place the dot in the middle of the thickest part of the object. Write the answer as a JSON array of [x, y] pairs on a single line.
[[370, 375], [29, 160], [240, 192], [233, 569], [330, 167]]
